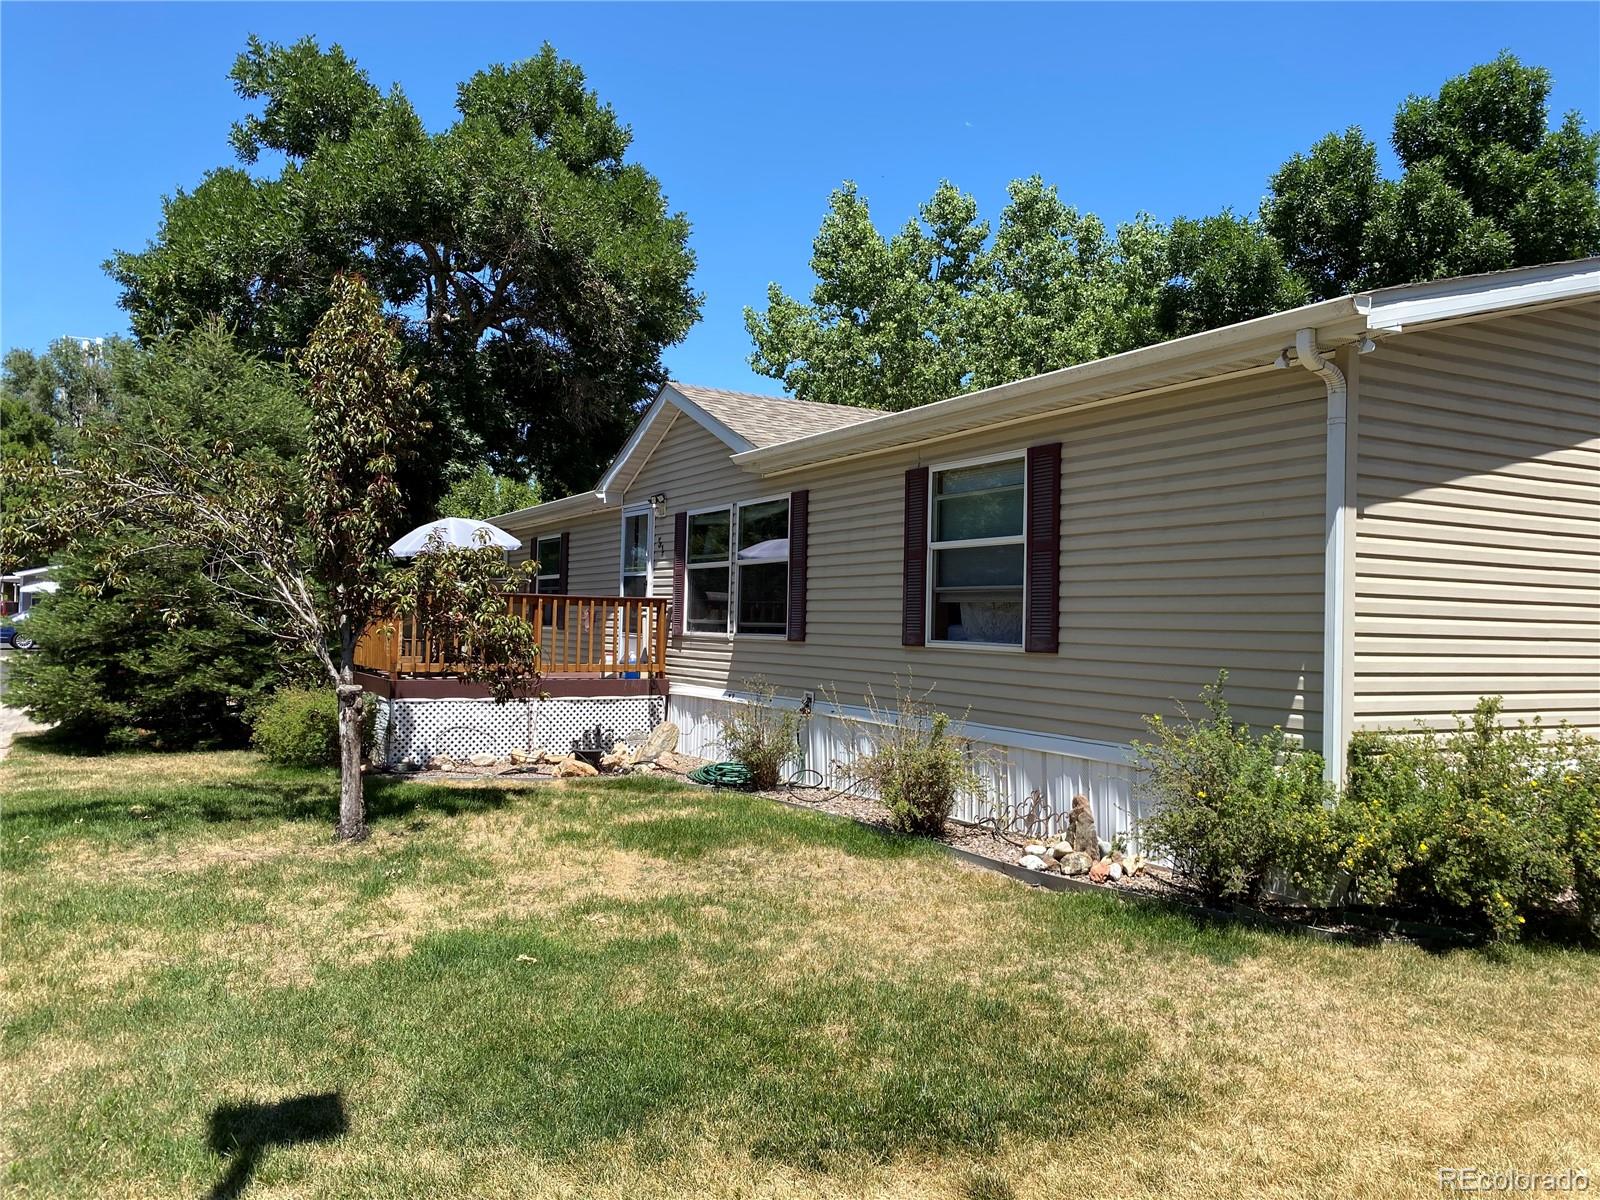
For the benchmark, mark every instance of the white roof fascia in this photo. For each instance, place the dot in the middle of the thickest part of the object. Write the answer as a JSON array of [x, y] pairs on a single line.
[[634, 439], [574, 505], [1391, 310]]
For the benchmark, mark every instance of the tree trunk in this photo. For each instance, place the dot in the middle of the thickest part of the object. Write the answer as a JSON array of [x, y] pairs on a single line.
[[352, 799]]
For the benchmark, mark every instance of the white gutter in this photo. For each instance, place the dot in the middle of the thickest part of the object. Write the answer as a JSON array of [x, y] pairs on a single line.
[[1335, 528]]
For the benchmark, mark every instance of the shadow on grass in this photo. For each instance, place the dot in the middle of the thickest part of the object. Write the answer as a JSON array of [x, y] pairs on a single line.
[[244, 1132]]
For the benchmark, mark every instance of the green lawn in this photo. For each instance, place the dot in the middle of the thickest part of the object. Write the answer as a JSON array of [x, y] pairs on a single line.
[[627, 988]]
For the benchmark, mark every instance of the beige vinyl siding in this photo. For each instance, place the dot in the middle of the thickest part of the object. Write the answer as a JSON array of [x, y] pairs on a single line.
[[594, 549], [1192, 541], [1478, 521]]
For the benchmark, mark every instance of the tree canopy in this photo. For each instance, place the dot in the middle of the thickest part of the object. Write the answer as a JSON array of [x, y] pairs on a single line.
[[538, 273], [947, 304], [1486, 183], [484, 494]]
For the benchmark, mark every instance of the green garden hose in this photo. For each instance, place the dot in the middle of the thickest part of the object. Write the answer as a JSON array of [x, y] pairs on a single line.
[[724, 775]]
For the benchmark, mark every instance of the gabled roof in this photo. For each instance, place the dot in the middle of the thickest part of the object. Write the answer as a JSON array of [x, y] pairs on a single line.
[[768, 435], [742, 420], [768, 420]]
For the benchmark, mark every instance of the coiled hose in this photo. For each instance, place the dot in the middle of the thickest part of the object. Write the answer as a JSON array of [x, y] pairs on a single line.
[[724, 775]]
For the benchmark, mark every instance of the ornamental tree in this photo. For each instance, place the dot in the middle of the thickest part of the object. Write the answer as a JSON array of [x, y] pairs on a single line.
[[301, 552]]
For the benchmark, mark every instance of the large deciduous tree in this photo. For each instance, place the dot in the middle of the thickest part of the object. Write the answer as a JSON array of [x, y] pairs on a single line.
[[539, 273], [1486, 183]]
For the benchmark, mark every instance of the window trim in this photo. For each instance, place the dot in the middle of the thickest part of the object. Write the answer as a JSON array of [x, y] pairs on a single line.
[[732, 631], [733, 607], [543, 574], [930, 603], [648, 512]]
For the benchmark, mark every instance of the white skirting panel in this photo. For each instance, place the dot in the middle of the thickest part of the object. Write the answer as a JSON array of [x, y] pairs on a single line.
[[1020, 764], [416, 730]]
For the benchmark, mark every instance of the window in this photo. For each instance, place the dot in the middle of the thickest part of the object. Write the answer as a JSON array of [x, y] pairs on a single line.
[[976, 551], [547, 550], [763, 586], [636, 553], [736, 570], [708, 572]]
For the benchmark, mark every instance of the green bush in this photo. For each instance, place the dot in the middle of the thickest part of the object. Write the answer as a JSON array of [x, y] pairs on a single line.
[[1235, 812], [760, 736], [1487, 819], [299, 727], [917, 768]]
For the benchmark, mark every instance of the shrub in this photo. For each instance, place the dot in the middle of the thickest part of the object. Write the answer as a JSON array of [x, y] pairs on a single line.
[[299, 727], [760, 736], [1486, 819], [1234, 812], [914, 764]]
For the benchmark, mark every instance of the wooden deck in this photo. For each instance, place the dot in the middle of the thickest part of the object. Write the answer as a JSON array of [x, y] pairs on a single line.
[[581, 638]]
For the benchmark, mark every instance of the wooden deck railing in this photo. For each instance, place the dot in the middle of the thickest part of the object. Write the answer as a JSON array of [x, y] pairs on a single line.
[[619, 636]]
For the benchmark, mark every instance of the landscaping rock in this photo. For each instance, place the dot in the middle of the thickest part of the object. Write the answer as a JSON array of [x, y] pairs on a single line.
[[1080, 827], [1114, 872], [1032, 861], [1060, 850], [1035, 849], [1100, 871], [1076, 863], [574, 768], [663, 739], [523, 757], [442, 762], [617, 760], [484, 760], [1133, 865]]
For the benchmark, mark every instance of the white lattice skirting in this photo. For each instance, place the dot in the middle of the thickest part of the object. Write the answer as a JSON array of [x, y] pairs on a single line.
[[416, 730], [1057, 768]]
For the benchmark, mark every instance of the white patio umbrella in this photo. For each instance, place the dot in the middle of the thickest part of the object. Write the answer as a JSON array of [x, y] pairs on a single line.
[[453, 531]]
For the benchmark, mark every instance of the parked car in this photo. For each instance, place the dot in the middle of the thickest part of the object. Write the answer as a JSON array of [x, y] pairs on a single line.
[[11, 633]]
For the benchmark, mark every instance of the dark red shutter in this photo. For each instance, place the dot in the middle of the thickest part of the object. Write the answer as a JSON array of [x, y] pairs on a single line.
[[566, 553], [799, 528], [914, 612], [1043, 529], [680, 555]]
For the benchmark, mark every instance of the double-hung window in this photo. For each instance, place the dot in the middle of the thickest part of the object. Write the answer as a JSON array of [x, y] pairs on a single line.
[[708, 572], [736, 569], [547, 551], [763, 559], [976, 548]]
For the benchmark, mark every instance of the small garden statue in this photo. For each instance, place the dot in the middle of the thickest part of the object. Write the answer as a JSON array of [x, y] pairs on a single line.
[[1080, 828]]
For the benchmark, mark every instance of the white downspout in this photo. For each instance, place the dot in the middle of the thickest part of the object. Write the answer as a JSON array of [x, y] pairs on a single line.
[[1334, 718]]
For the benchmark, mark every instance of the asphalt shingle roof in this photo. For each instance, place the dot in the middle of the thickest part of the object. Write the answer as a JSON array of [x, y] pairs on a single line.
[[769, 420]]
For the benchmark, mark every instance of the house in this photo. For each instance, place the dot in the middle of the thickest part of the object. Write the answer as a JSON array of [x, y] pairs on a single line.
[[1370, 511]]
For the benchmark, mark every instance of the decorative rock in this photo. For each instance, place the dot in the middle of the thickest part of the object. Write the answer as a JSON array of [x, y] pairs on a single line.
[[521, 757], [1114, 872], [1076, 863], [574, 768], [1032, 861], [1035, 850], [1080, 827], [1100, 871], [484, 760], [1133, 865], [616, 760], [663, 739], [1060, 850], [1102, 849], [442, 762]]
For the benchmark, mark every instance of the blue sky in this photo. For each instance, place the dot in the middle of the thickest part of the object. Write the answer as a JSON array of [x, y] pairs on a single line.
[[749, 114]]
